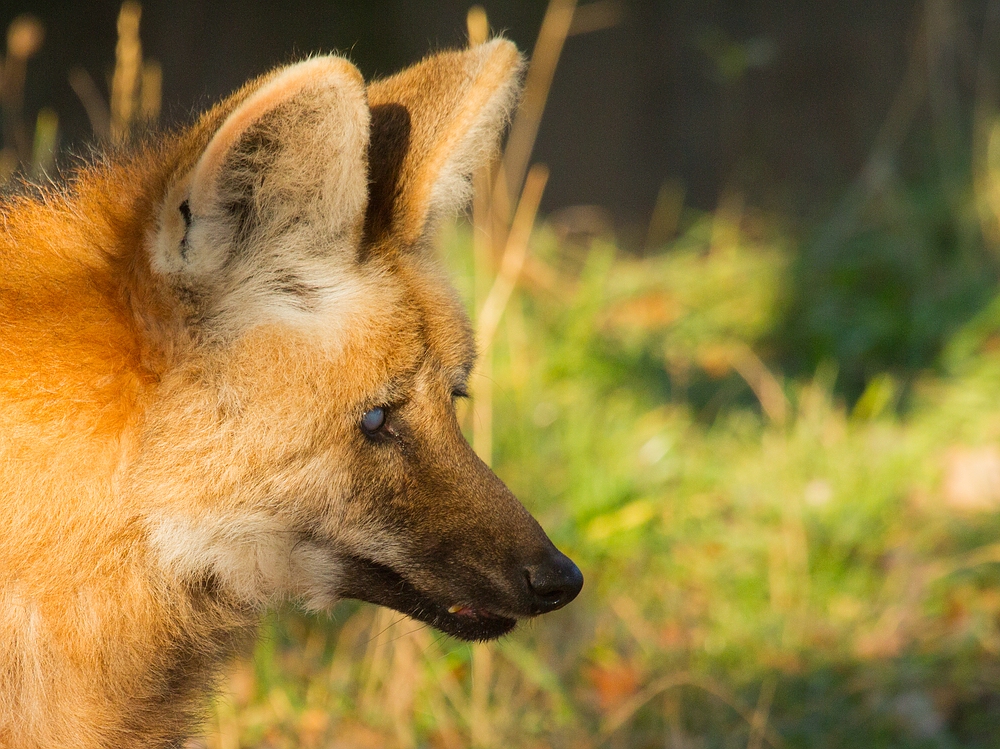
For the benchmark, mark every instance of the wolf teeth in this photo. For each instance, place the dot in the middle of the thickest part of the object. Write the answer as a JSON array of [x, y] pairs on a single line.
[[454, 609]]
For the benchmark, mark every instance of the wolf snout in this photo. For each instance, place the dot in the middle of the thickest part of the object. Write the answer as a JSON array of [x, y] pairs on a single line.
[[553, 582]]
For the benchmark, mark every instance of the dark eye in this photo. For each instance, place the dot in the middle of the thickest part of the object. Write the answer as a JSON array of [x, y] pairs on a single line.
[[373, 420]]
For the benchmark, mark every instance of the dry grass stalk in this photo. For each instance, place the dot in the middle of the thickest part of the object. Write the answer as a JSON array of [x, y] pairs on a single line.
[[478, 25], [151, 91], [43, 150], [514, 255], [136, 85], [986, 131], [228, 727], [126, 81], [491, 208], [764, 384], [621, 716], [480, 722], [490, 232], [483, 270], [666, 216], [548, 48], [760, 715], [597, 16], [24, 38], [482, 433], [93, 102]]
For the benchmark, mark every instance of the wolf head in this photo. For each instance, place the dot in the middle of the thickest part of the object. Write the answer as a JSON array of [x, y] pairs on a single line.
[[303, 442]]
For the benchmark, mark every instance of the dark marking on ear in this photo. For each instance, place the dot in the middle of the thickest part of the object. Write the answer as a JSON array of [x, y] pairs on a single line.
[[206, 584], [305, 294], [243, 213], [189, 296], [185, 209], [244, 173], [387, 149]]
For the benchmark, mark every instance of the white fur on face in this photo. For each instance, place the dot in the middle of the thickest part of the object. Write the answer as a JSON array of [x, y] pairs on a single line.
[[252, 556]]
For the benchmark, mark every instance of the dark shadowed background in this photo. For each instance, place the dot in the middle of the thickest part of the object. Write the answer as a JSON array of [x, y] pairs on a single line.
[[783, 100]]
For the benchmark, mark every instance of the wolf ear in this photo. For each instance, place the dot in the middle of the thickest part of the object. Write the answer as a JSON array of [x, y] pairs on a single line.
[[432, 125], [288, 159]]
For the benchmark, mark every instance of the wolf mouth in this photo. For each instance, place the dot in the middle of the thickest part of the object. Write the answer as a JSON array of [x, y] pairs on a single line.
[[376, 583]]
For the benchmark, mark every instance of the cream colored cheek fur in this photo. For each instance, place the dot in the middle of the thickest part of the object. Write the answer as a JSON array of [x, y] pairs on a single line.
[[253, 557]]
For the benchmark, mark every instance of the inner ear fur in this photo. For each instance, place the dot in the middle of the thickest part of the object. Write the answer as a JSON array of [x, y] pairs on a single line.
[[432, 126], [294, 145]]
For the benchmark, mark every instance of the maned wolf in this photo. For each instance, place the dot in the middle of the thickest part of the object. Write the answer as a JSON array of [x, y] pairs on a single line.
[[228, 363]]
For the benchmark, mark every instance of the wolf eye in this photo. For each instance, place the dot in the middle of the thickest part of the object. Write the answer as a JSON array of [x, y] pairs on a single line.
[[373, 420]]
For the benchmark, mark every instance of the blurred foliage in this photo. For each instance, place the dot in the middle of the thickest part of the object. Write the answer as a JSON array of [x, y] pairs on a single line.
[[888, 296]]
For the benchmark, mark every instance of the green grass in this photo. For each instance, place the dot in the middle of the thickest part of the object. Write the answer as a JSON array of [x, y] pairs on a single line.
[[828, 580]]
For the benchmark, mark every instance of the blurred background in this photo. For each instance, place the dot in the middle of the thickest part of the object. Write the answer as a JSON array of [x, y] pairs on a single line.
[[735, 280]]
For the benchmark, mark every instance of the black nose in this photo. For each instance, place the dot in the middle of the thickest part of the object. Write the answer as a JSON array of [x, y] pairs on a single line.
[[553, 582]]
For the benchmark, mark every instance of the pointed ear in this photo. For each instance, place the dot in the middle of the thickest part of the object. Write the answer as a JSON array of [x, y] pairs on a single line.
[[432, 126], [284, 174]]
